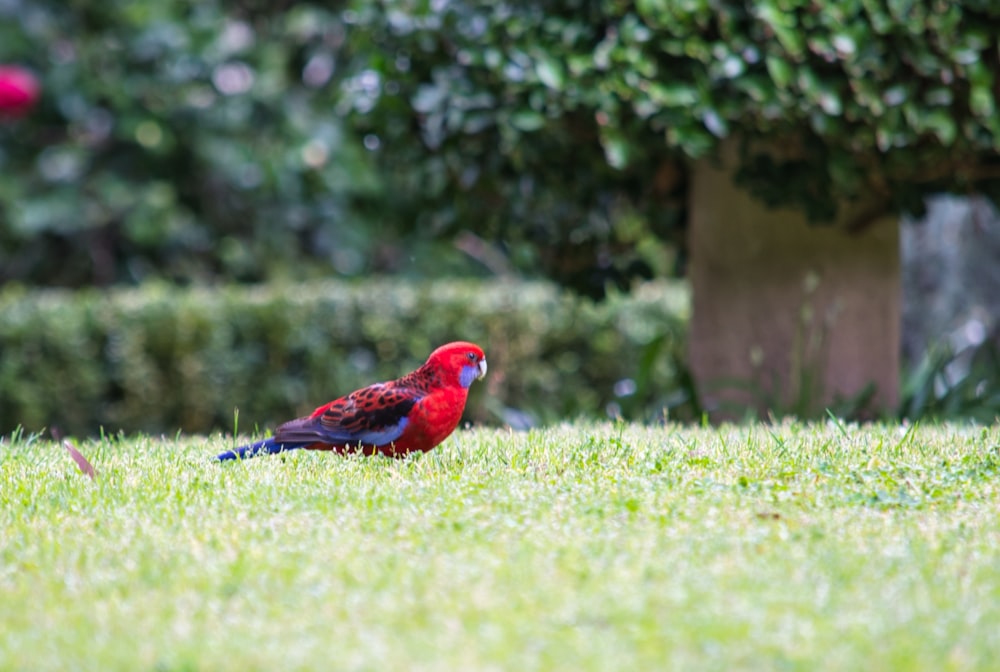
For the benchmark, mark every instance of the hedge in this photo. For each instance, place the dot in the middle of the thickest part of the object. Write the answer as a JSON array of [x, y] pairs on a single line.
[[164, 359]]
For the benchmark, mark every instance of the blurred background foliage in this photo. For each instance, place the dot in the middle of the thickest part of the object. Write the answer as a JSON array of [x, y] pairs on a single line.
[[233, 141], [247, 142], [189, 142], [160, 358]]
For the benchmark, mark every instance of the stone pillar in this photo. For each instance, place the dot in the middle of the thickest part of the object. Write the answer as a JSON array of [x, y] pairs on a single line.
[[788, 317]]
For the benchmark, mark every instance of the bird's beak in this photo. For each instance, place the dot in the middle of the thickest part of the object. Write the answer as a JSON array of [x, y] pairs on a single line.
[[482, 370]]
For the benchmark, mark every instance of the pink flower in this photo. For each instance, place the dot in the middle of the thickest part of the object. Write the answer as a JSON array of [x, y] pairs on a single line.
[[18, 90]]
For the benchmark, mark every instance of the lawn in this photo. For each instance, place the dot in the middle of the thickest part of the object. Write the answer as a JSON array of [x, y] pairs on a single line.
[[578, 547]]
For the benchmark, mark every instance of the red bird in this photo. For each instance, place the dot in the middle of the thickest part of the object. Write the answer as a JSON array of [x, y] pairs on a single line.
[[413, 413]]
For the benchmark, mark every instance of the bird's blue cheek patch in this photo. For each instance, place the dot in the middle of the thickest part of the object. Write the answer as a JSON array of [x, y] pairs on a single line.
[[467, 375]]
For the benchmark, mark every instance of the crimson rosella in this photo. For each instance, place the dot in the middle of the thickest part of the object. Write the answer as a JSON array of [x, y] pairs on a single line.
[[413, 413]]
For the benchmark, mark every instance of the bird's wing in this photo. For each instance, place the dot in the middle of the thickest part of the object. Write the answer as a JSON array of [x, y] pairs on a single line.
[[376, 415]]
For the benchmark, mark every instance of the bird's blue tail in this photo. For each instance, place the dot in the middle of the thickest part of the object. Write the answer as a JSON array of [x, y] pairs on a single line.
[[263, 447]]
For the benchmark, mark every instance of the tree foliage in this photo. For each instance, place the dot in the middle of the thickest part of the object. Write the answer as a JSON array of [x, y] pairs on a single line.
[[480, 118], [176, 140], [252, 141], [832, 101], [195, 142]]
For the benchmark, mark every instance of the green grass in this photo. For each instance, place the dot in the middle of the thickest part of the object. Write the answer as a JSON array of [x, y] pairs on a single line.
[[580, 547]]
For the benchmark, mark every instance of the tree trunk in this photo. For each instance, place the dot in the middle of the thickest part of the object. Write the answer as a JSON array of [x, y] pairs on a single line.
[[788, 317]]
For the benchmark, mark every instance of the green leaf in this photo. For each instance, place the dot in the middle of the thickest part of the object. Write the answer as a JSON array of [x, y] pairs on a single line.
[[830, 102], [579, 64], [786, 29], [672, 95], [844, 44], [981, 101], [428, 98], [941, 124], [780, 70], [616, 147], [653, 12], [715, 124], [692, 138], [550, 72], [527, 120]]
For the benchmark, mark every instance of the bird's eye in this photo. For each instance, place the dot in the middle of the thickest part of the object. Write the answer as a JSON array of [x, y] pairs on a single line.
[[471, 356]]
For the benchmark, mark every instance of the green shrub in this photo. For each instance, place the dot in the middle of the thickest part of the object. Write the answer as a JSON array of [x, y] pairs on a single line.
[[831, 100], [159, 359], [212, 141], [180, 142]]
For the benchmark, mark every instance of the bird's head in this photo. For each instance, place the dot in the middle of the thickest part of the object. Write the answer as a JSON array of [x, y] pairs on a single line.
[[459, 362]]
